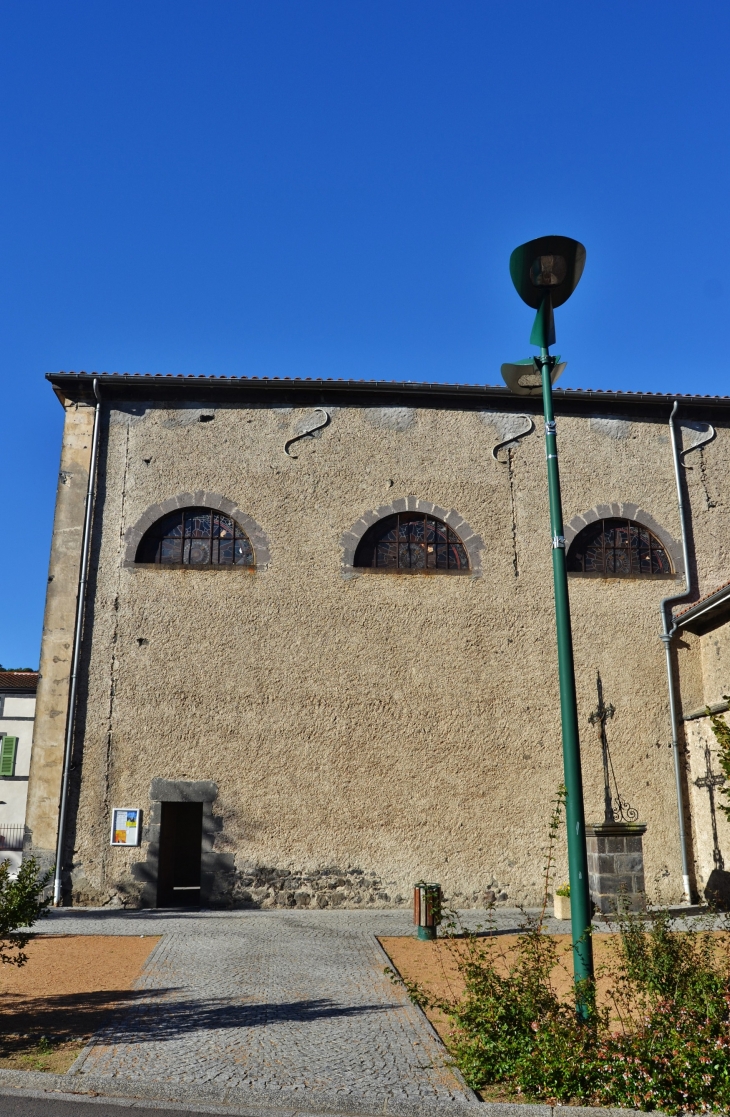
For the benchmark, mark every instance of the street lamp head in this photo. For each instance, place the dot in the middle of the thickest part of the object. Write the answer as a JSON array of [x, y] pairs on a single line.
[[545, 273], [548, 265]]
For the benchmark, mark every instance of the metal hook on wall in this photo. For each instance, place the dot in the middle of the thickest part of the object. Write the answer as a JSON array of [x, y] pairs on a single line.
[[308, 431], [514, 437], [711, 433]]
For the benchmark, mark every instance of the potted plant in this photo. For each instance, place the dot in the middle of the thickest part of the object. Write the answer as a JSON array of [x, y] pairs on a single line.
[[561, 902]]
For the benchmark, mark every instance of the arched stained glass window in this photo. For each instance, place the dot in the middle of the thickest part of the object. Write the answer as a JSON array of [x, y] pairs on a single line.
[[412, 542], [196, 537], [618, 549]]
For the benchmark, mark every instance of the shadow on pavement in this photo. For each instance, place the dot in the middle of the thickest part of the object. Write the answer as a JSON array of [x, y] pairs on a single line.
[[133, 1016]]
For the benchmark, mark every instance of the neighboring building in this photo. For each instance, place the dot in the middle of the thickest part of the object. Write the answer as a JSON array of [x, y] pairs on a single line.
[[319, 640], [704, 659], [17, 712]]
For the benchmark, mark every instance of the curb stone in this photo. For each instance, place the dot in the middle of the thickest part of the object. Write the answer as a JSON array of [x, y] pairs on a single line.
[[258, 1103], [429, 1026], [132, 1094]]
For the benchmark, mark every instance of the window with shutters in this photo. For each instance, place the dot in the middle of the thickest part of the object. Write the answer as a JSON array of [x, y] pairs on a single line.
[[197, 537], [412, 543], [8, 751]]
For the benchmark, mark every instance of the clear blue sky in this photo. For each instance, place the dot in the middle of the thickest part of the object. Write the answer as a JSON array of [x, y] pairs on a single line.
[[333, 187]]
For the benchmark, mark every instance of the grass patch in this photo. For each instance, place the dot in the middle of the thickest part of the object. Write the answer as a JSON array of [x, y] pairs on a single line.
[[22, 1051]]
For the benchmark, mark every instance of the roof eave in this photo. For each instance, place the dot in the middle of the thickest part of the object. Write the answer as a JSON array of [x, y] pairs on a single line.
[[707, 614], [116, 387]]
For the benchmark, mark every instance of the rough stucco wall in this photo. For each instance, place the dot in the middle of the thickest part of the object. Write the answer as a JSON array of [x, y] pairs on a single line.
[[688, 674], [707, 471], [402, 727], [44, 785], [715, 656], [616, 625], [710, 826]]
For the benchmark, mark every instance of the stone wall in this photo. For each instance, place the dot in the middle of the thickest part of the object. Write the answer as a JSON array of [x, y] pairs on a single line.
[[49, 730], [715, 657], [616, 867], [710, 826], [365, 730]]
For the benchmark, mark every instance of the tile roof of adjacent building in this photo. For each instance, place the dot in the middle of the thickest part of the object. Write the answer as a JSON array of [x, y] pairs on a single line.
[[19, 680], [708, 612], [701, 600], [77, 386]]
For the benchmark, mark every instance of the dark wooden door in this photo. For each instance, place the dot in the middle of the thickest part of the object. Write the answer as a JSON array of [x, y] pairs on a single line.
[[181, 832]]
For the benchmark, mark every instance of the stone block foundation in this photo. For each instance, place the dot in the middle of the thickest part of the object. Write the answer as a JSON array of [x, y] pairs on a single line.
[[616, 866]]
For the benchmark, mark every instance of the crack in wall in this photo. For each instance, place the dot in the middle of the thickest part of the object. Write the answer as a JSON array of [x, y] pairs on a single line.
[[513, 509], [709, 503]]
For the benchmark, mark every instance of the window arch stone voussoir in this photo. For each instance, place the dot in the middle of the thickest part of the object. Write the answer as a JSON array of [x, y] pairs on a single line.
[[350, 539], [627, 511], [203, 499]]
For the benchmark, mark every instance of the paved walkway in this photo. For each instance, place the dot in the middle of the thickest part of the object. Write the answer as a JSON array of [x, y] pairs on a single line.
[[243, 1011], [286, 1008]]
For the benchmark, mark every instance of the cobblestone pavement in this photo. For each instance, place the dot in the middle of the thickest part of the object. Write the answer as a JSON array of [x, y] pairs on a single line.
[[263, 1008], [284, 1005]]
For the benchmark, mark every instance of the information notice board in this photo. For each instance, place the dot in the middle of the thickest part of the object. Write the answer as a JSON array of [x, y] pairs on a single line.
[[126, 826]]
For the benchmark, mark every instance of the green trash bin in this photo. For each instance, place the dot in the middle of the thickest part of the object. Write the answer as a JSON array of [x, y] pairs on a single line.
[[426, 909]]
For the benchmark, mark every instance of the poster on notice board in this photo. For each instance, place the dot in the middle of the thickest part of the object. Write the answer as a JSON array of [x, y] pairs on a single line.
[[126, 826]]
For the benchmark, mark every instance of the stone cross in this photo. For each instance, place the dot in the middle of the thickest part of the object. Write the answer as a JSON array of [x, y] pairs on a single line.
[[615, 807], [711, 781]]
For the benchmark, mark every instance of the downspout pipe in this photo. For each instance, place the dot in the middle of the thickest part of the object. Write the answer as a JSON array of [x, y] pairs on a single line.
[[76, 654], [669, 628]]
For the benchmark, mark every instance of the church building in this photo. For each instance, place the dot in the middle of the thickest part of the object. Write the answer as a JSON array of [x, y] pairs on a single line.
[[315, 658]]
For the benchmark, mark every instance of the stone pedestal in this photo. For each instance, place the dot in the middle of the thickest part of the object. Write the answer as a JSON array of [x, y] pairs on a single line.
[[616, 866]]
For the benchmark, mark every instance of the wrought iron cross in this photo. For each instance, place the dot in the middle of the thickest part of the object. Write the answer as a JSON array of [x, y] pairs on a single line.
[[615, 807], [711, 781]]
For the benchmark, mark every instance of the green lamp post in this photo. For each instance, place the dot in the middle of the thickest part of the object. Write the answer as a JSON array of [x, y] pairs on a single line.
[[545, 272]]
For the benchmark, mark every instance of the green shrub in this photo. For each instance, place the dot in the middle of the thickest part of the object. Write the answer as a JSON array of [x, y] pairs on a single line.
[[722, 735], [21, 905], [659, 1040]]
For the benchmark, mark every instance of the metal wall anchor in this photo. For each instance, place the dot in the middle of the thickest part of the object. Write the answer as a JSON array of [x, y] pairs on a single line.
[[558, 541], [309, 431], [514, 437]]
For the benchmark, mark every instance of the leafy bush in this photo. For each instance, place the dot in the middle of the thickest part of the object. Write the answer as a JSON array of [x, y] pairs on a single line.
[[660, 1037], [21, 905]]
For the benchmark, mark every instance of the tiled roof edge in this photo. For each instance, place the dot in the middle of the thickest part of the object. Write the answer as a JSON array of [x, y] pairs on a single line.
[[705, 604], [19, 680], [82, 383]]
